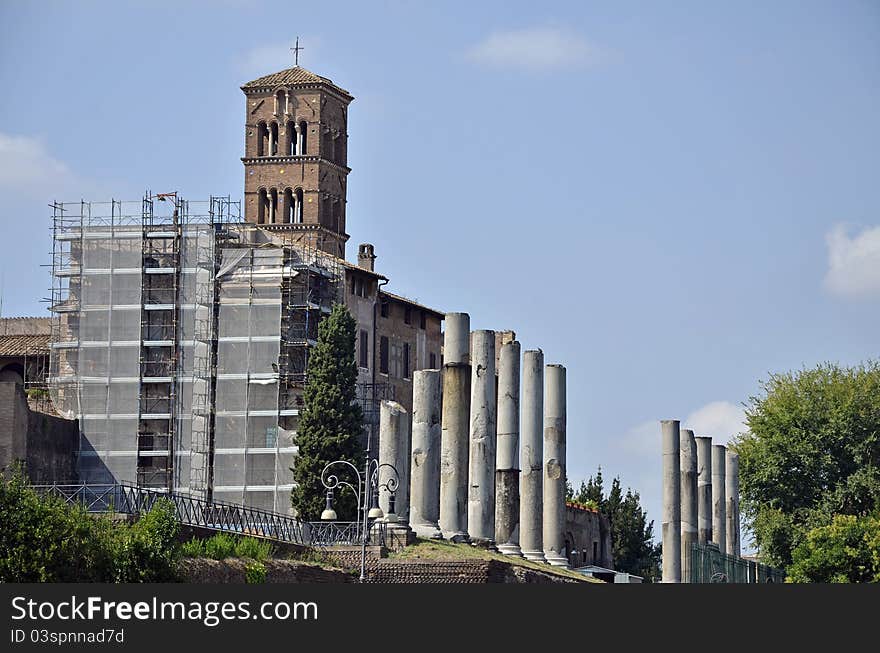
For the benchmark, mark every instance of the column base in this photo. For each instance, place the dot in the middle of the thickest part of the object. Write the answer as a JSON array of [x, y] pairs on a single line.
[[555, 560], [534, 556], [456, 536], [428, 531], [510, 549]]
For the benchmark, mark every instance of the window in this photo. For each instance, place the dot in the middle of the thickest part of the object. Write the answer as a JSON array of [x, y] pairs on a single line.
[[383, 354], [422, 320], [363, 349], [383, 309], [595, 552], [432, 358], [405, 373], [407, 315]]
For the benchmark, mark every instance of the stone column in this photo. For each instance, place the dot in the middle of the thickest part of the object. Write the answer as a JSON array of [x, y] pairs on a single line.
[[507, 460], [671, 433], [689, 510], [531, 502], [456, 338], [298, 148], [704, 490], [455, 432], [424, 494], [481, 474], [731, 493], [719, 516], [554, 467], [394, 450]]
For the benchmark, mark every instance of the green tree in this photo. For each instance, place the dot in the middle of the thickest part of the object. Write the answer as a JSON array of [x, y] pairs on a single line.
[[632, 536], [331, 422], [845, 551], [812, 451]]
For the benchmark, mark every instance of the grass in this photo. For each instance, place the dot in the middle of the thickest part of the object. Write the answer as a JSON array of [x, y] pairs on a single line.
[[443, 550]]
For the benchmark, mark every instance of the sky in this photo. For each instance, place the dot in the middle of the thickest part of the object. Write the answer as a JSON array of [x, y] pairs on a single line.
[[673, 200]]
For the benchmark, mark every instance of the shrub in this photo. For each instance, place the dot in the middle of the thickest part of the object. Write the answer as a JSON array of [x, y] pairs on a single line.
[[846, 551], [221, 546], [44, 539], [255, 572]]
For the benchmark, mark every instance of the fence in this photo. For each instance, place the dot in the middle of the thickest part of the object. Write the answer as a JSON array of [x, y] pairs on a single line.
[[709, 565], [217, 515]]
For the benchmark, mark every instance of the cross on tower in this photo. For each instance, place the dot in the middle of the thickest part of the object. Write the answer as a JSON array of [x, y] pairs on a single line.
[[295, 51]]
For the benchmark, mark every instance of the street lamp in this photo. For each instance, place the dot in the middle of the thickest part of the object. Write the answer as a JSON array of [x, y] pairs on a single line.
[[367, 494]]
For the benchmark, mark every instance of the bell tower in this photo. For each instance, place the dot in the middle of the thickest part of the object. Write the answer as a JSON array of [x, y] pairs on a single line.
[[295, 159]]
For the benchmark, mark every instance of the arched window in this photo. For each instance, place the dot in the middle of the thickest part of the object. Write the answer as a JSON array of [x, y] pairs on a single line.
[[262, 206], [298, 206], [287, 206], [301, 144], [273, 139], [262, 139], [273, 206], [280, 103], [290, 142]]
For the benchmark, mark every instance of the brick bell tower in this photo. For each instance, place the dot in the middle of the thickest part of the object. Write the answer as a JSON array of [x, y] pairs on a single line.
[[296, 149]]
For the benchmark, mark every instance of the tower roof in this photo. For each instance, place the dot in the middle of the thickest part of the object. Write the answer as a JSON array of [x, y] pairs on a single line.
[[292, 77]]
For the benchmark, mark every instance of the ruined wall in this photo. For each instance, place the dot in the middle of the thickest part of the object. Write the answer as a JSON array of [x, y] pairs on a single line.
[[587, 537], [44, 443]]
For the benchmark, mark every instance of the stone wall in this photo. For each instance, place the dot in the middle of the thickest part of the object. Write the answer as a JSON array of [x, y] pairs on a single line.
[[44, 443], [459, 572], [233, 570], [587, 537]]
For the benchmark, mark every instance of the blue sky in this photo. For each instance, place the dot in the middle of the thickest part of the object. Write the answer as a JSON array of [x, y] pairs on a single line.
[[671, 199]]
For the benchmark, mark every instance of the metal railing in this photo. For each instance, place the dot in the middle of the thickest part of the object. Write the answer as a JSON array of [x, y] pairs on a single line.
[[217, 515], [332, 533], [709, 565]]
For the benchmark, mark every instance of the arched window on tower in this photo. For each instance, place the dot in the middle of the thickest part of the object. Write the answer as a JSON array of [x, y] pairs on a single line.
[[280, 103], [262, 206], [287, 206], [290, 141], [262, 139], [298, 206], [273, 206], [273, 139], [301, 144]]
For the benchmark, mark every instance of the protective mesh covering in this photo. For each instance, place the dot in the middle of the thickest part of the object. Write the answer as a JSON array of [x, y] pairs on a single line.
[[96, 296], [181, 347], [246, 422]]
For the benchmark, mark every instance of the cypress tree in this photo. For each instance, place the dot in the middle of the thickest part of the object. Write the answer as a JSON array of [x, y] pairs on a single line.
[[331, 421]]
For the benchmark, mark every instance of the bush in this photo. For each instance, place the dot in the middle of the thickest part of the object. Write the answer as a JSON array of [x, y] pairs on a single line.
[[221, 546], [255, 572], [44, 539]]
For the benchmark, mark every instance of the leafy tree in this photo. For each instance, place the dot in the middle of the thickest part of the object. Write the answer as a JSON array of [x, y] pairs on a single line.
[[632, 535], [331, 421], [812, 452], [845, 551]]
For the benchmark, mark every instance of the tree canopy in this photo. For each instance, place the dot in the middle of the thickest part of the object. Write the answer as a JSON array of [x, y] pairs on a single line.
[[812, 452], [845, 551], [331, 421], [632, 536]]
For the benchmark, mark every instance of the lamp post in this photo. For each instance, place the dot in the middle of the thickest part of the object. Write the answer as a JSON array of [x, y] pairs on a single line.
[[367, 494]]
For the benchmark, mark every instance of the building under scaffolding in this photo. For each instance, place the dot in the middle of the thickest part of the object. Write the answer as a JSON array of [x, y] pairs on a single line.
[[180, 343]]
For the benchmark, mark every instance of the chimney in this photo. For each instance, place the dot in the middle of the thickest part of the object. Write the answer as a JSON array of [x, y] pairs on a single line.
[[366, 257]]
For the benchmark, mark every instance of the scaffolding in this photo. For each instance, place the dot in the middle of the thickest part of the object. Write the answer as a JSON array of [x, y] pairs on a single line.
[[123, 359], [180, 342]]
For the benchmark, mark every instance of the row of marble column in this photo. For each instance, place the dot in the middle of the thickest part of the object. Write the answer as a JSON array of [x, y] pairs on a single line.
[[700, 498], [459, 456]]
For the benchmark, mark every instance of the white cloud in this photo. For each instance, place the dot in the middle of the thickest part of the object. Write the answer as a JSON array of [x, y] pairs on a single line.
[[534, 48], [853, 262], [720, 420], [272, 57], [27, 167]]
